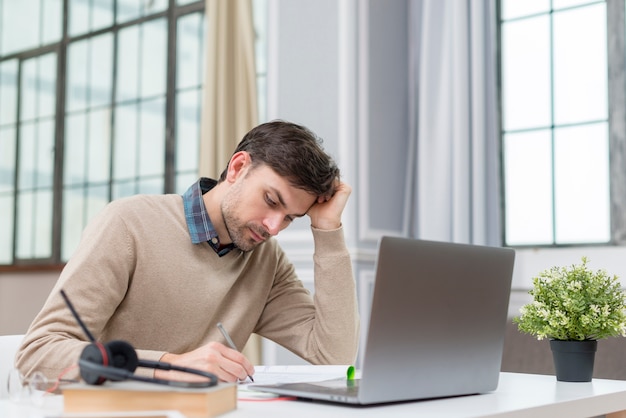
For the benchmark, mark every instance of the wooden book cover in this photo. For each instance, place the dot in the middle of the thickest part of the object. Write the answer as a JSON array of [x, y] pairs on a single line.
[[138, 396]]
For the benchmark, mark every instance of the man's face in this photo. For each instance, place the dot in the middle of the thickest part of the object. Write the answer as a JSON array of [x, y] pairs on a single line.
[[260, 204]]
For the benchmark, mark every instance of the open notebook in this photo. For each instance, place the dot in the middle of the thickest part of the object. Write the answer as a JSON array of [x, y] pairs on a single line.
[[436, 328]]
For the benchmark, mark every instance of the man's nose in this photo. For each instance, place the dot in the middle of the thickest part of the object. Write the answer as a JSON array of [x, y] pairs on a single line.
[[273, 224]]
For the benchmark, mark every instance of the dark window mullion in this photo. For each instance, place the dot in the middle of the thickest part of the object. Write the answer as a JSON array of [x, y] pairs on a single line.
[[18, 151], [59, 141], [169, 183], [113, 104]]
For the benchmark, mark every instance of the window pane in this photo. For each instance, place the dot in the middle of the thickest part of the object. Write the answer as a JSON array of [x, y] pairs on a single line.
[[127, 64], [7, 160], [99, 146], [526, 88], [187, 130], [27, 152], [36, 155], [19, 17], [90, 72], [101, 70], [87, 16], [79, 207], [52, 22], [79, 11], [77, 75], [151, 186], [46, 89], [516, 8], [126, 133], [34, 233], [6, 226], [133, 9], [44, 150], [8, 92], [153, 58], [184, 180], [189, 51], [582, 184], [34, 223], [580, 65], [29, 90], [152, 146], [124, 189], [73, 220], [97, 198], [128, 10], [25, 225], [527, 176], [560, 4], [39, 87], [102, 14], [42, 234], [75, 134]]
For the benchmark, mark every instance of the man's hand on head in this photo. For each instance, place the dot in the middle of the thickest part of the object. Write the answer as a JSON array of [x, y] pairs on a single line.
[[326, 211]]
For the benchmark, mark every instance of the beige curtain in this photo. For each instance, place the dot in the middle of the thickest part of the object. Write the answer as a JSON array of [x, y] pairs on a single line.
[[230, 95]]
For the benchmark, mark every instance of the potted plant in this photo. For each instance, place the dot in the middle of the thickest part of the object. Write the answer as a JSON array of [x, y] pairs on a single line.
[[574, 307]]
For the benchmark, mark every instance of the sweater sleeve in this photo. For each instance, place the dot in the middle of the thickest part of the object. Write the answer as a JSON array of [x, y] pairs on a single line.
[[322, 329], [95, 280]]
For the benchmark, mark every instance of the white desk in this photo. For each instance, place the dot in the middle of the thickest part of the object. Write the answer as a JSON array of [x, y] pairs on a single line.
[[518, 395]]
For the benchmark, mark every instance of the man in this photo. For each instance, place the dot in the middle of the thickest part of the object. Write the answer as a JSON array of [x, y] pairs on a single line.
[[161, 271]]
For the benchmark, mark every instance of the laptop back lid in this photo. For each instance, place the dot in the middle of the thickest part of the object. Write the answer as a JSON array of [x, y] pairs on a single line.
[[437, 321]]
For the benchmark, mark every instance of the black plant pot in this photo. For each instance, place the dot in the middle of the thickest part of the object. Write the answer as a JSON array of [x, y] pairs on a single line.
[[573, 360]]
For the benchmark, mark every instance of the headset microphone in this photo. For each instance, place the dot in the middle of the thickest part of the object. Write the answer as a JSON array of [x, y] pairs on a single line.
[[117, 360]]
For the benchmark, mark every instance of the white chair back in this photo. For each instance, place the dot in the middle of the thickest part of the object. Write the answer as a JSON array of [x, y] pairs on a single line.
[[9, 345]]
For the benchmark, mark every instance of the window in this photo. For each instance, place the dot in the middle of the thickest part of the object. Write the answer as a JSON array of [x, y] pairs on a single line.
[[555, 121], [110, 110]]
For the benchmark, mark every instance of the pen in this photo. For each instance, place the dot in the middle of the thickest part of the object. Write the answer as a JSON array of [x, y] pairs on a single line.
[[230, 342]]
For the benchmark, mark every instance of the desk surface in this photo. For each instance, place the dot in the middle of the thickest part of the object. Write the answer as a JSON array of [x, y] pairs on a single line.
[[518, 395]]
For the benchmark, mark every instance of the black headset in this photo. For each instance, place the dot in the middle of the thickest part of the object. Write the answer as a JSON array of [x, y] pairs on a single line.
[[117, 360]]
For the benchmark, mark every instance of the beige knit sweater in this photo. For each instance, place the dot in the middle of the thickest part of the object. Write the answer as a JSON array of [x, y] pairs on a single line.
[[137, 277]]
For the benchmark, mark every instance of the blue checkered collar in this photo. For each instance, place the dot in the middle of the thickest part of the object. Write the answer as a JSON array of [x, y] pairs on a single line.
[[198, 222]]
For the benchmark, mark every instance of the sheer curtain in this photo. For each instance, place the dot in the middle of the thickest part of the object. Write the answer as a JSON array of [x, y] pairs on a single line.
[[230, 94], [453, 192]]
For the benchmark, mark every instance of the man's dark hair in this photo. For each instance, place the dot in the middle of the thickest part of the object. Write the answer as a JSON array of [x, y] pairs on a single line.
[[293, 152]]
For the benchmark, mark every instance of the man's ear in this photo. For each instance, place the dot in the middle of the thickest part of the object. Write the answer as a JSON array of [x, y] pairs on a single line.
[[238, 165]]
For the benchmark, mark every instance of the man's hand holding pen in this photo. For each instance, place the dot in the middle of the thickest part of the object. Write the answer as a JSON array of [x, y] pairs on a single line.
[[228, 364]]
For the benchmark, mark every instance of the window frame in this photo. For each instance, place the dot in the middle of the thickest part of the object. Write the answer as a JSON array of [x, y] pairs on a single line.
[[60, 48], [616, 57]]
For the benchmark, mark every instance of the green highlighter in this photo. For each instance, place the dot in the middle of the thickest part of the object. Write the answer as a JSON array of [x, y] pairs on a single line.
[[350, 373]]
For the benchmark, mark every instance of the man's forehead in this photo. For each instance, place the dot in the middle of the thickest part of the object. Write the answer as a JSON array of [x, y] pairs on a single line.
[[295, 199]]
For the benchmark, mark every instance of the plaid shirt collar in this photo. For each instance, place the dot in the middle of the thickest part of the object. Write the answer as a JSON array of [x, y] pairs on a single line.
[[198, 222]]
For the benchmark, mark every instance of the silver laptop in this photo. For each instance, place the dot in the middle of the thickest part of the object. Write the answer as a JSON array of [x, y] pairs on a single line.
[[436, 328]]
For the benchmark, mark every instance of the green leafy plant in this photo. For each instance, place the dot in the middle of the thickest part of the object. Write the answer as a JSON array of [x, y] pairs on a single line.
[[574, 303]]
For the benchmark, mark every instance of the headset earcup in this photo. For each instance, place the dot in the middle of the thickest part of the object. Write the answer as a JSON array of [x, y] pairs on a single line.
[[93, 354], [122, 355]]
